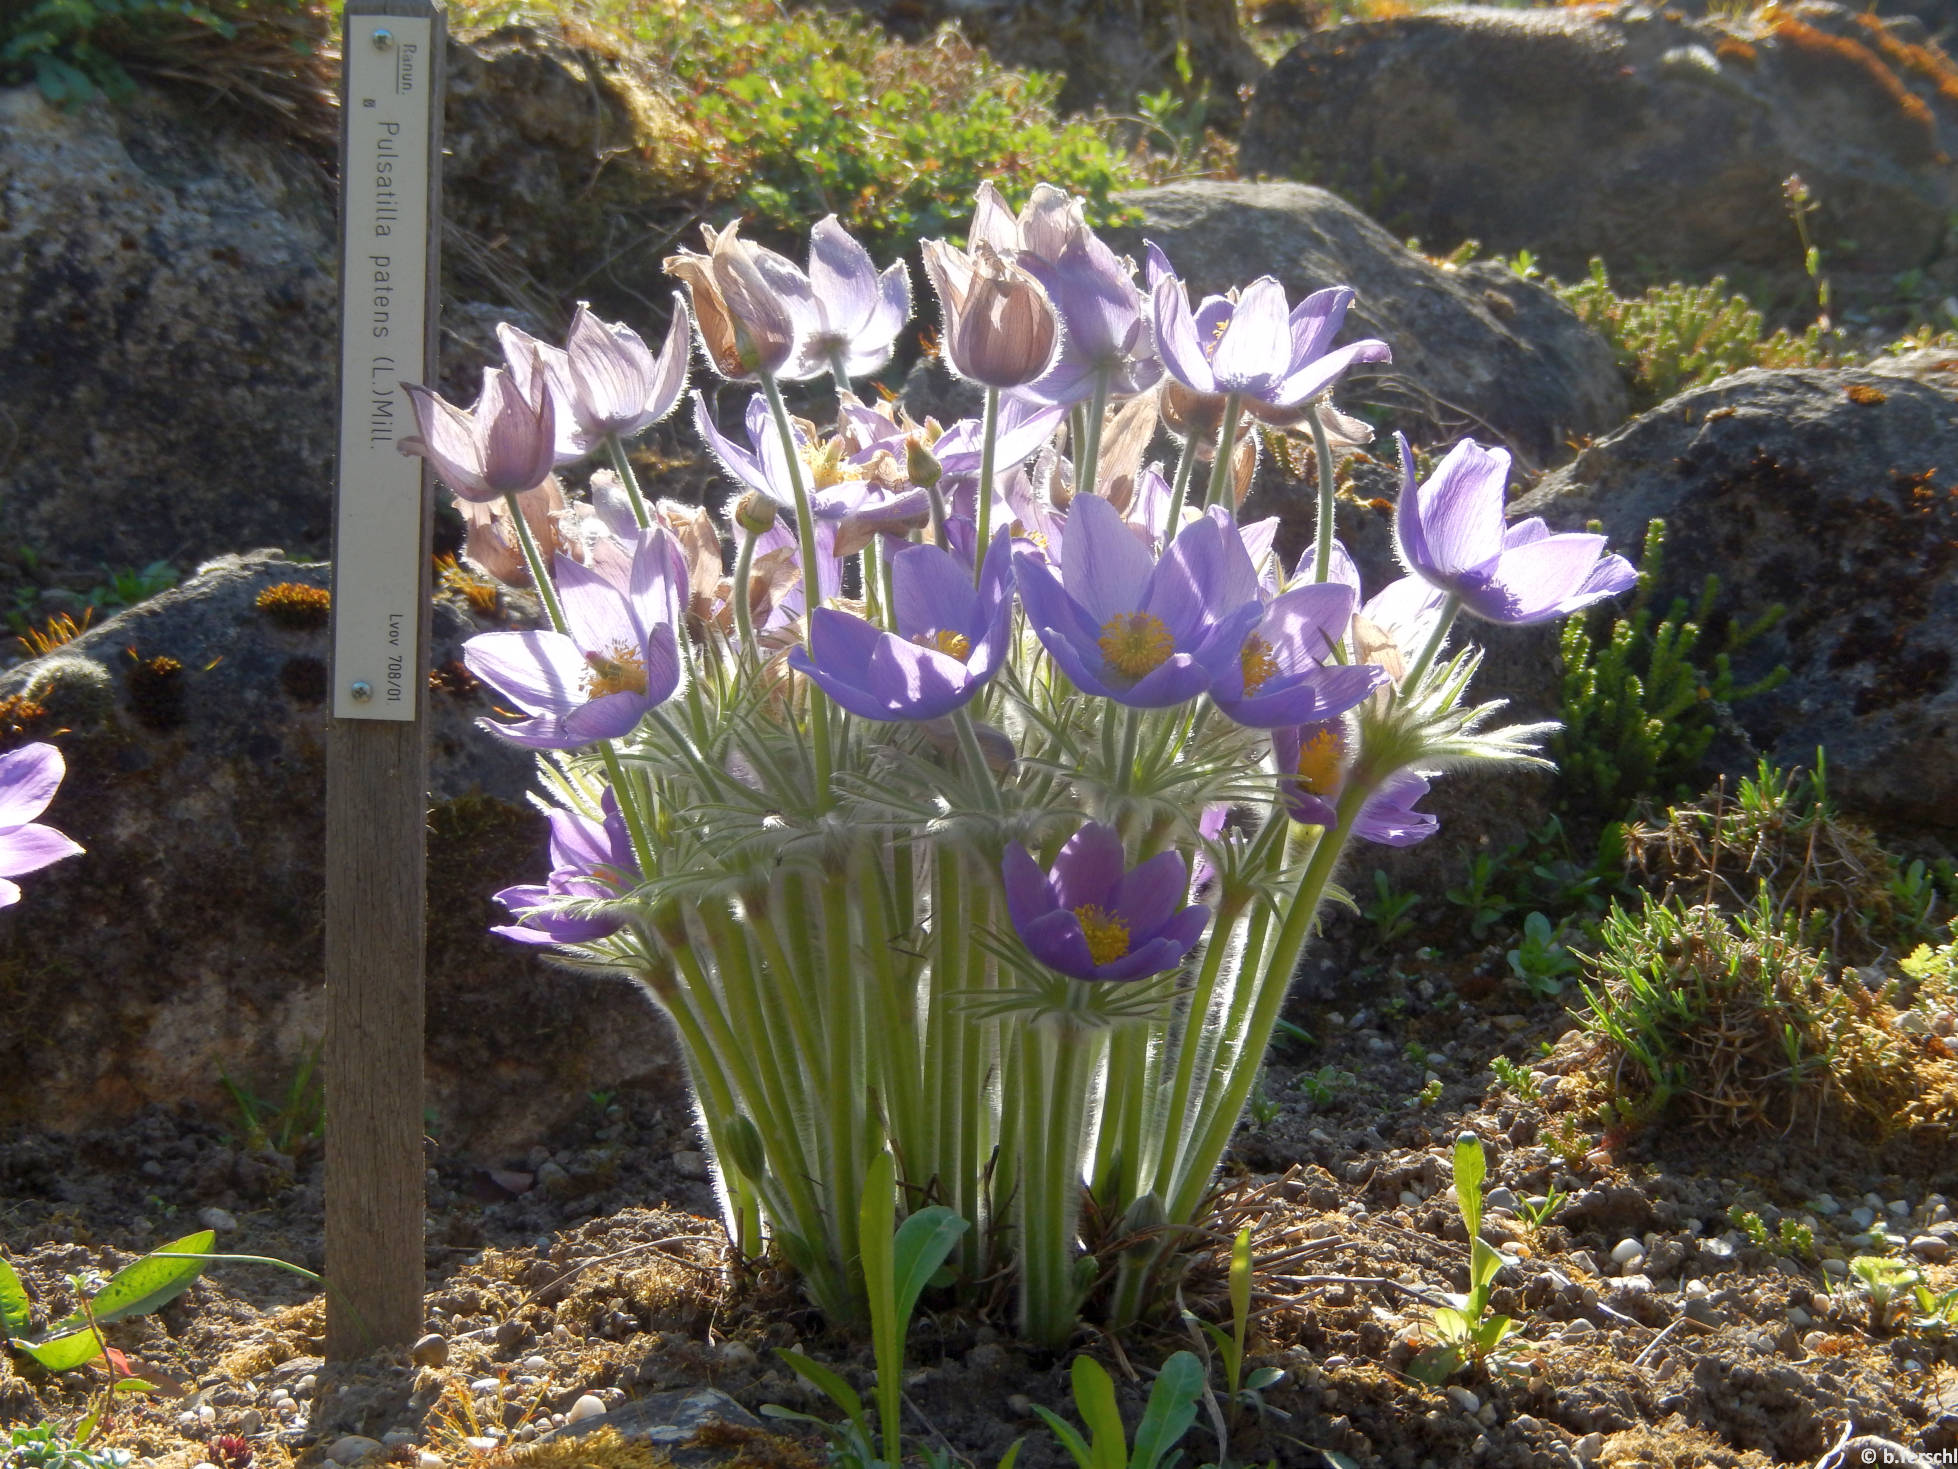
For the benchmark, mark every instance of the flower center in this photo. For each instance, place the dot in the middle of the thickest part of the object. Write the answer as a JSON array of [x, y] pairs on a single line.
[[621, 671], [1320, 755], [1136, 643], [1259, 662], [944, 640], [1107, 935], [825, 464]]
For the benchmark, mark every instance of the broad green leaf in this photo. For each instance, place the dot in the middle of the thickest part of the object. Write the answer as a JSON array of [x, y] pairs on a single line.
[[1172, 1408], [1484, 1265], [840, 1392], [1450, 1325], [1070, 1440], [1470, 1169], [136, 1290], [1094, 1400], [15, 1311], [923, 1243], [1263, 1378], [1436, 1365], [61, 1353]]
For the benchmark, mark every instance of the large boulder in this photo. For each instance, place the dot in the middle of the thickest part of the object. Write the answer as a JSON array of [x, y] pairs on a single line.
[[1477, 351], [1656, 141], [1834, 493], [186, 946]]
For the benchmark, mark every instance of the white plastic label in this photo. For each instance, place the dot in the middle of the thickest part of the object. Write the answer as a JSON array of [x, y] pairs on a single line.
[[378, 575]]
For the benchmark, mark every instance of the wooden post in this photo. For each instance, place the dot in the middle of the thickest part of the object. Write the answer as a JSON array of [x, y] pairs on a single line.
[[377, 749]]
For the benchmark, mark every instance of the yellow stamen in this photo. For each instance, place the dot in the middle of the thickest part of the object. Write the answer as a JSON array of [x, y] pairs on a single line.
[[622, 671], [1320, 756], [1259, 662], [1136, 643], [825, 464], [951, 644], [1107, 935]]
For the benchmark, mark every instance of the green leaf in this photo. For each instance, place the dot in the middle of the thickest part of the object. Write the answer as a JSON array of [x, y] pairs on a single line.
[[1470, 1169], [16, 1313], [923, 1243], [1172, 1408], [1450, 1324], [1436, 1365], [68, 1350], [1094, 1400], [1263, 1378], [1012, 1455], [840, 1392], [138, 1289], [1070, 1440], [1484, 1263]]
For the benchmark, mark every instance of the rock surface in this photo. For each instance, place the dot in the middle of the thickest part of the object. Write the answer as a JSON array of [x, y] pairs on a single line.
[[1477, 351], [185, 946], [1834, 493], [1655, 141]]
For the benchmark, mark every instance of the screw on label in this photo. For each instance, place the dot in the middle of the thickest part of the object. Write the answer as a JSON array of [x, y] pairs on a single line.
[[362, 691], [383, 39]]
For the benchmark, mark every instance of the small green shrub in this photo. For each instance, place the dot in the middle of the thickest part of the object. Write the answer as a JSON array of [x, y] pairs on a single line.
[[1680, 336], [1638, 710]]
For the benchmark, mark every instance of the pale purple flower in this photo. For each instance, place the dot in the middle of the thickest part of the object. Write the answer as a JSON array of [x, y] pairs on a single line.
[[1089, 918], [1001, 330], [1313, 765], [620, 658], [1145, 633], [750, 305], [950, 639], [1252, 346], [29, 778], [1282, 675], [504, 445], [589, 859], [604, 380], [853, 314], [1450, 532]]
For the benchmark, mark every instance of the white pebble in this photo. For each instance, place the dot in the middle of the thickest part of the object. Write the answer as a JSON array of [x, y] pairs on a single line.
[[1590, 1448], [217, 1219], [1410, 1198], [485, 1385], [427, 1459], [206, 1414], [482, 1444], [187, 1422], [536, 1364], [1627, 1251], [586, 1407], [1462, 1398]]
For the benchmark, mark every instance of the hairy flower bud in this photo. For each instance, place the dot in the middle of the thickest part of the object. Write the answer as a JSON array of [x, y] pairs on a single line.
[[754, 513], [920, 465], [1001, 330]]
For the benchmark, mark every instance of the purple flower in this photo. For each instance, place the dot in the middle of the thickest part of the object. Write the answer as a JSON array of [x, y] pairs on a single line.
[[749, 304], [1281, 677], [589, 859], [1312, 770], [854, 314], [1145, 634], [1001, 330], [1251, 345], [29, 778], [604, 380], [620, 658], [950, 638], [1450, 533], [1090, 919], [504, 445]]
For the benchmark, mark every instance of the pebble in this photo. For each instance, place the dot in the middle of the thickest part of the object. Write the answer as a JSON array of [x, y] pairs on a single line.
[[1599, 1158], [1798, 1318], [1862, 1216], [1834, 1266], [484, 1385], [1825, 1204], [250, 1421], [305, 1385], [215, 1218], [690, 1163], [1408, 1196], [482, 1444], [1579, 1327], [1589, 1448], [1627, 1251], [535, 1364], [1899, 1207], [206, 1414], [187, 1422], [1717, 1249], [1931, 1249], [353, 1448], [428, 1459], [740, 1354], [395, 1437], [431, 1351], [1584, 1260], [1814, 1340], [586, 1407], [1500, 1198], [1462, 1398]]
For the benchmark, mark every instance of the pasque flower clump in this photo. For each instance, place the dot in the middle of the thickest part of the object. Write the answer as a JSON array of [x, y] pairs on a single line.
[[977, 806]]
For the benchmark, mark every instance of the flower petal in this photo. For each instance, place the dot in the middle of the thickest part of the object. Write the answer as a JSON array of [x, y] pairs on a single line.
[[1256, 348], [1089, 867], [1177, 337], [542, 672], [1149, 894], [31, 847], [1028, 894], [1533, 582], [1104, 568], [29, 778]]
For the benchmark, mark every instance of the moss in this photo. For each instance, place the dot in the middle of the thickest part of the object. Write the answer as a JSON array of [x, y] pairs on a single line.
[[73, 691], [455, 680], [1840, 60], [22, 721], [156, 690], [1927, 62], [295, 605], [1732, 48], [1865, 394]]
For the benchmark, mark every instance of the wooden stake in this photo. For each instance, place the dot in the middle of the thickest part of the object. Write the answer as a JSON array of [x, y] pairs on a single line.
[[377, 750]]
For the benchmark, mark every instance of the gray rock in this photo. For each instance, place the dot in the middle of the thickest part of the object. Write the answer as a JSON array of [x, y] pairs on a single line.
[[1930, 1248], [1655, 141], [186, 944], [1829, 492], [666, 1420], [1476, 351], [431, 1350]]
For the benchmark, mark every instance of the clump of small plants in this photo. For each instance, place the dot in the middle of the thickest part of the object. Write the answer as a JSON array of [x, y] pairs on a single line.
[[295, 605]]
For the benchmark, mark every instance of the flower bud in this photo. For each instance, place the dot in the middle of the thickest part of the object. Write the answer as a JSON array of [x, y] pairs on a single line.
[[921, 467], [754, 513], [744, 305], [1001, 330]]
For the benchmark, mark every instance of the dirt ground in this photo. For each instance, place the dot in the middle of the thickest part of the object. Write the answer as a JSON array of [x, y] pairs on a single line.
[[1654, 1333]]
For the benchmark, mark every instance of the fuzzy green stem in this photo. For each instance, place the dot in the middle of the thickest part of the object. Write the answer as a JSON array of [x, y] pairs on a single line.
[[844, 1086], [1188, 1044], [975, 759], [1084, 480], [1186, 463], [1059, 1056], [1425, 659], [1322, 560], [1219, 492], [988, 448], [540, 573], [805, 527], [744, 614], [622, 462]]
